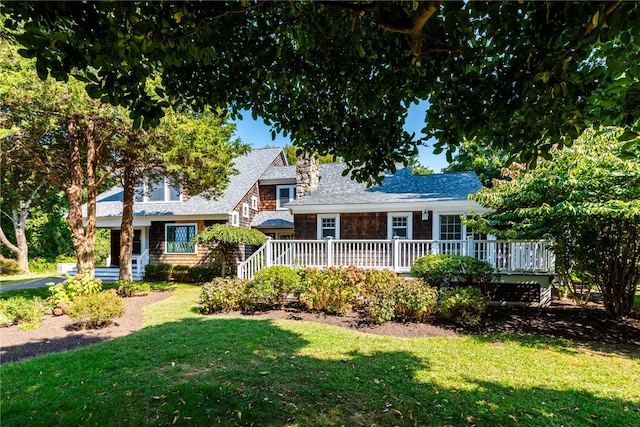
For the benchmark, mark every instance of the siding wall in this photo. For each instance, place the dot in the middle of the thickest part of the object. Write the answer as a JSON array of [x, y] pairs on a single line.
[[365, 225]]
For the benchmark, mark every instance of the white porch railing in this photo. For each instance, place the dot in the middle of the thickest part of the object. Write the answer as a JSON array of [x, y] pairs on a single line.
[[521, 256], [138, 264]]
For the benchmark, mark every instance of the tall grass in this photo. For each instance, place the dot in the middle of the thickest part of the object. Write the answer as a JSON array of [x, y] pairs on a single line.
[[188, 369]]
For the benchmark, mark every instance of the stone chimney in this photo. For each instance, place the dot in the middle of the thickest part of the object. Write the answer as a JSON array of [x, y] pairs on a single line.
[[307, 174]]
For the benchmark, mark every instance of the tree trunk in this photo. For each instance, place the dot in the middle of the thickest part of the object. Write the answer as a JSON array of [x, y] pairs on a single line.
[[126, 227], [83, 240], [21, 249]]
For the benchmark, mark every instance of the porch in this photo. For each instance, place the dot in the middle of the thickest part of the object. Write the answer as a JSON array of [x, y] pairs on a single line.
[[112, 273], [508, 257]]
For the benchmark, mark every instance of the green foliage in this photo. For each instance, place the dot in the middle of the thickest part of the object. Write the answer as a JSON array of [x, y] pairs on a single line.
[[128, 288], [73, 287], [486, 161], [587, 199], [271, 285], [415, 301], [200, 274], [386, 296], [569, 64], [224, 240], [223, 294], [180, 273], [159, 272], [27, 312], [98, 309], [333, 290], [103, 246], [452, 270], [9, 266], [464, 306]]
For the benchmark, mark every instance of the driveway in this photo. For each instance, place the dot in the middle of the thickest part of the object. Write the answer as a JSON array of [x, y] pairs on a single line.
[[35, 283]]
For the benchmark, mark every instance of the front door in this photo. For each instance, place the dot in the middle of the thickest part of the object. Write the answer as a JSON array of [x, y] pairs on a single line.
[[115, 245]]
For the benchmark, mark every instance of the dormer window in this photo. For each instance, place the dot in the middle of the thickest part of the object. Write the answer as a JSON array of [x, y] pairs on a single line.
[[157, 191], [284, 194]]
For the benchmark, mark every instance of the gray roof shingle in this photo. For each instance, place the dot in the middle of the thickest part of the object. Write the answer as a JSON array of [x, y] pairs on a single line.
[[251, 167], [281, 218], [336, 189]]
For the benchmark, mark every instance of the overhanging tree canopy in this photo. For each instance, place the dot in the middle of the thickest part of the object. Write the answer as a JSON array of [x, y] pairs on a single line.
[[339, 76], [587, 199]]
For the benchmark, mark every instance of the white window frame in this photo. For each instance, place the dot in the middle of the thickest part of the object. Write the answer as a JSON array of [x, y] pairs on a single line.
[[235, 219], [245, 210], [292, 195], [179, 224], [254, 203], [463, 227], [409, 218], [167, 192], [328, 216]]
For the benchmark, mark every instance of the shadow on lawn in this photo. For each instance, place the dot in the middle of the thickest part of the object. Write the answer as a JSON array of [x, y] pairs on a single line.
[[252, 372]]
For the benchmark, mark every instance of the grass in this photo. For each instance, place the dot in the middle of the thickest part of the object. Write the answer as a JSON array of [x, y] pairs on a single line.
[[187, 369]]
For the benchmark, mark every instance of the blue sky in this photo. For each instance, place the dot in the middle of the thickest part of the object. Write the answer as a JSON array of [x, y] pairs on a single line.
[[258, 135]]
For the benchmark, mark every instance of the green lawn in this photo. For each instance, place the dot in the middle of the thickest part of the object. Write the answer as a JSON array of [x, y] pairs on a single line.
[[188, 369]]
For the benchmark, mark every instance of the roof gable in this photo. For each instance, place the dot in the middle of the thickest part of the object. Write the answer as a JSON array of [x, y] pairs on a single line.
[[250, 166]]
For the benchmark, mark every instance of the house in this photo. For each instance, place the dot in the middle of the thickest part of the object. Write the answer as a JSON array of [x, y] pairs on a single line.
[[316, 215]]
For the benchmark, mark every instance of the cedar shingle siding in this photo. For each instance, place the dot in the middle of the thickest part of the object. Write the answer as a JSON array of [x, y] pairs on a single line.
[[367, 225]]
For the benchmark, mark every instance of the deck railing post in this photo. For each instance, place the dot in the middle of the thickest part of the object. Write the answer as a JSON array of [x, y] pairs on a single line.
[[470, 251], [267, 253], [396, 252], [329, 251]]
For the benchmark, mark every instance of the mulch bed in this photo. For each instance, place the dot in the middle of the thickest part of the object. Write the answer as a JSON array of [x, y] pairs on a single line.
[[588, 326]]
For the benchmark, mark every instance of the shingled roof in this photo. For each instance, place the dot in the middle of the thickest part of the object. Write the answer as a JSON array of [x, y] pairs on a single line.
[[251, 167], [403, 186]]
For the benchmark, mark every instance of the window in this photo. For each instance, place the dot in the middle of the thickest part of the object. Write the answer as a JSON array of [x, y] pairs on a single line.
[[450, 227], [161, 191], [245, 210], [235, 218], [179, 238], [328, 226], [284, 194], [400, 225], [254, 203]]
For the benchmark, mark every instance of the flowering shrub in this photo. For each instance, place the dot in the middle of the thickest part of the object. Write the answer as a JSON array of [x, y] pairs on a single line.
[[333, 290], [223, 294], [464, 306], [72, 287]]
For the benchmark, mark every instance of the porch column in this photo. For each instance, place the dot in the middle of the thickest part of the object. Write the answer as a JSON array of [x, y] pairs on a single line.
[[267, 253], [396, 253], [329, 251]]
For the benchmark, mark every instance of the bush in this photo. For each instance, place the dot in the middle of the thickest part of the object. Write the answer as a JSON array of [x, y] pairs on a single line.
[[9, 266], [273, 284], [19, 310], [333, 290], [222, 294], [73, 287], [464, 306], [180, 273], [200, 274], [97, 310], [378, 295], [42, 265], [159, 272], [127, 288], [415, 301], [453, 270]]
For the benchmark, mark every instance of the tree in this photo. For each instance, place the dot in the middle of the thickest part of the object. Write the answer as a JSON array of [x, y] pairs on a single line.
[[292, 153], [22, 187], [587, 199], [486, 162], [224, 240], [59, 135], [340, 76], [194, 151]]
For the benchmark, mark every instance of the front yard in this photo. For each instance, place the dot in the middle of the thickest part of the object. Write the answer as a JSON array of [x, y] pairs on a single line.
[[184, 368]]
